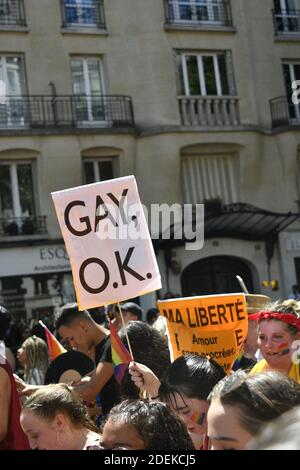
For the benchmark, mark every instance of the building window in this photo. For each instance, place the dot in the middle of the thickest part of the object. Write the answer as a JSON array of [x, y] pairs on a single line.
[[12, 13], [13, 109], [83, 13], [287, 16], [88, 87], [203, 74], [209, 177], [199, 11], [16, 190], [98, 170], [291, 72]]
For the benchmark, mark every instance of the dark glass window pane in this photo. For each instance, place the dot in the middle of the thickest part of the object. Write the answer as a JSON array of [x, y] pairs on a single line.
[[6, 202], [89, 174], [209, 74], [83, 12], [181, 81], [185, 10], [287, 79], [297, 71], [193, 75], [25, 189], [277, 6], [106, 170], [223, 74]]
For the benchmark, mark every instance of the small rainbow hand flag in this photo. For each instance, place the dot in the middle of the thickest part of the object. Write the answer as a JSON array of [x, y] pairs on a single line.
[[55, 349], [120, 355]]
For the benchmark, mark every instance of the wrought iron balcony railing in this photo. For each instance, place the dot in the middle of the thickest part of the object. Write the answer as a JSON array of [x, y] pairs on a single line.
[[12, 13], [195, 12], [23, 226], [82, 111], [83, 14], [286, 22], [284, 112], [209, 111]]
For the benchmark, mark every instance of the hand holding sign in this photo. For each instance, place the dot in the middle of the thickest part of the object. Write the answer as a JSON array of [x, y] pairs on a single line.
[[108, 242]]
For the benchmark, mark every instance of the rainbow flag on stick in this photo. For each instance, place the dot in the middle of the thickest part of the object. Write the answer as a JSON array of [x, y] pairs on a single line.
[[54, 347], [120, 355]]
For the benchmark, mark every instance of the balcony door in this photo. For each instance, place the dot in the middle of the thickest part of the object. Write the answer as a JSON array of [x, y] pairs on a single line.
[[16, 196], [291, 72], [13, 106], [88, 88], [204, 74]]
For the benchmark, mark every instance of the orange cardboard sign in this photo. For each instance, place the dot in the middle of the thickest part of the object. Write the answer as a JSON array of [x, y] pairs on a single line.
[[213, 325]]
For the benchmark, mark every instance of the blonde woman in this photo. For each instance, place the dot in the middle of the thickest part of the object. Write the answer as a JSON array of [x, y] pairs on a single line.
[[34, 358], [55, 418]]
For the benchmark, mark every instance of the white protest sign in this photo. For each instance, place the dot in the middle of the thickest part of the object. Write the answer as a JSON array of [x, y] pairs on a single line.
[[108, 242]]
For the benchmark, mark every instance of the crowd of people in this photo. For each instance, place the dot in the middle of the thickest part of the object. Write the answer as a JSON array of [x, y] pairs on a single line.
[[187, 404]]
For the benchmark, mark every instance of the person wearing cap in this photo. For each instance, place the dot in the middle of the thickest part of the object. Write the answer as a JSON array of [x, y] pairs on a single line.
[[278, 338]]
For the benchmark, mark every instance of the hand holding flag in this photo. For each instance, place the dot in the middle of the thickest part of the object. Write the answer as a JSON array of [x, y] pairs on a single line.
[[120, 355]]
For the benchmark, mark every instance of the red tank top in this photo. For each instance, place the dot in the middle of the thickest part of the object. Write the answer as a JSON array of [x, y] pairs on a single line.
[[15, 438]]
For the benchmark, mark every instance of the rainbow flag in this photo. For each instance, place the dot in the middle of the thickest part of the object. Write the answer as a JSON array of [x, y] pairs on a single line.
[[120, 355], [55, 349]]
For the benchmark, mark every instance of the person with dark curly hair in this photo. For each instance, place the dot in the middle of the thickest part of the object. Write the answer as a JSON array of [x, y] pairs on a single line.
[[185, 387], [136, 424], [149, 348], [242, 405], [55, 418]]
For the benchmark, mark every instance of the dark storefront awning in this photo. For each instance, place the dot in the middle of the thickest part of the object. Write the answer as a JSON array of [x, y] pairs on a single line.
[[240, 221], [247, 222]]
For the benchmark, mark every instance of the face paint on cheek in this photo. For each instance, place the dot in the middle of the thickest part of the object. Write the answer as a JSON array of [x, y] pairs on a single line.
[[198, 418], [283, 349]]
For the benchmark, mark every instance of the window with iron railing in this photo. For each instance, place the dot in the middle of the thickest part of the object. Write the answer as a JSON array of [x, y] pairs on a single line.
[[83, 13], [286, 15], [12, 80], [16, 190], [88, 81], [12, 13], [202, 12], [17, 201]]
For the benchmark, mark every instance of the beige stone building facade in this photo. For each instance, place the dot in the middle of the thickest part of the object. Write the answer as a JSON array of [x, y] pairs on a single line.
[[193, 97]]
